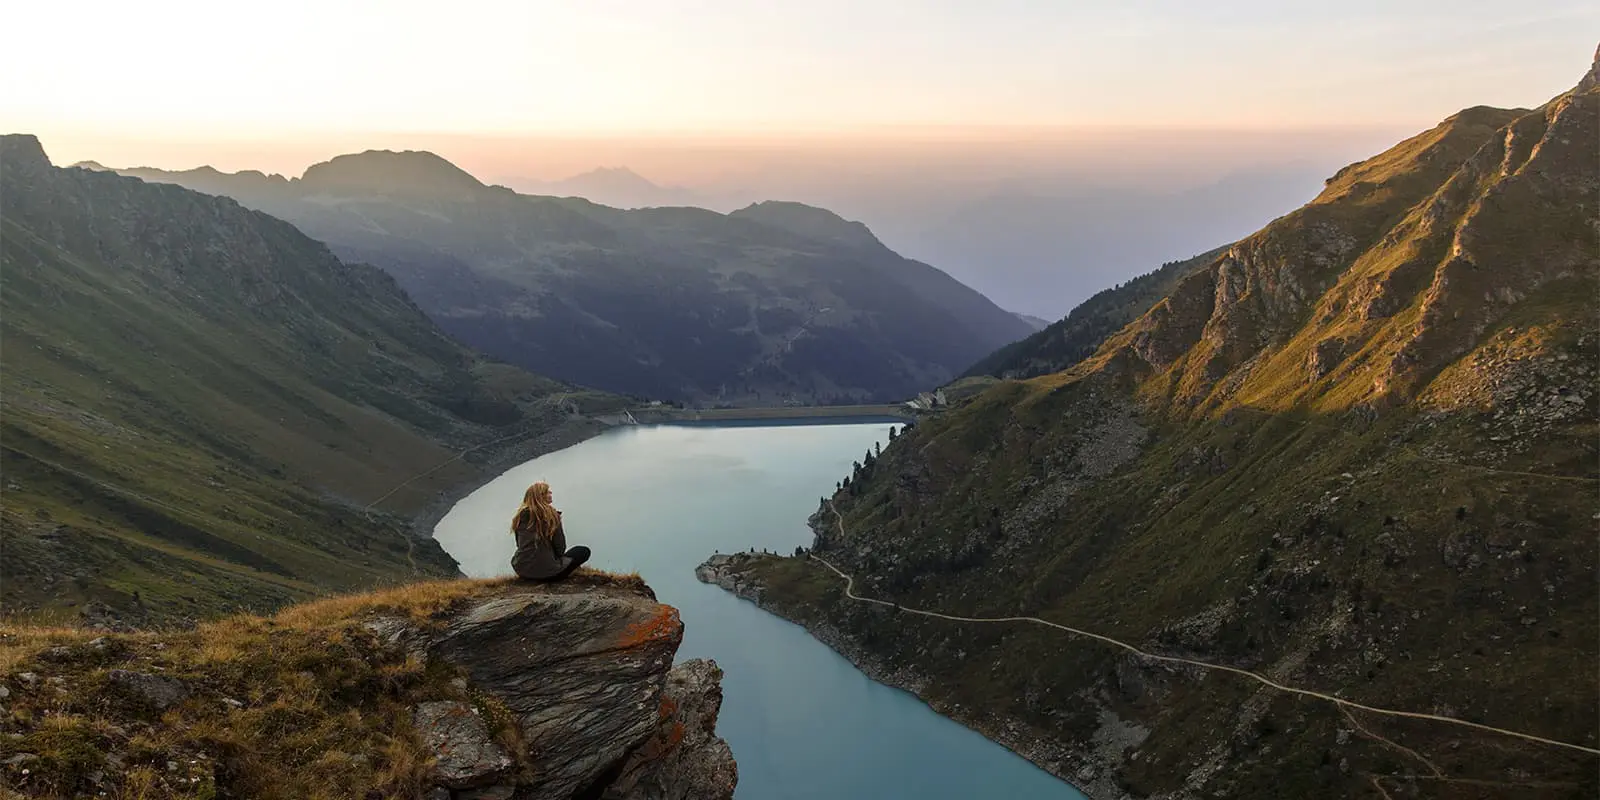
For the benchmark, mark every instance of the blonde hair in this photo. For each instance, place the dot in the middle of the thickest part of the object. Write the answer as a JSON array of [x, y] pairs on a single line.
[[536, 513]]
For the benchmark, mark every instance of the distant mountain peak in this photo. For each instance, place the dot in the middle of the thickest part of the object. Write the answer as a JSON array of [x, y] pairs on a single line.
[[407, 172], [22, 150], [1590, 79], [809, 221], [620, 187], [614, 179], [619, 172]]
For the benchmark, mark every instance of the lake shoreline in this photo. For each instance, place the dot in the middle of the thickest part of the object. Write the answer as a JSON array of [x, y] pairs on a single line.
[[569, 433], [1086, 771], [576, 431], [651, 499]]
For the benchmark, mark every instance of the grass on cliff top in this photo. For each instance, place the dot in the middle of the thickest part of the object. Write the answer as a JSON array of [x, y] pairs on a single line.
[[305, 703]]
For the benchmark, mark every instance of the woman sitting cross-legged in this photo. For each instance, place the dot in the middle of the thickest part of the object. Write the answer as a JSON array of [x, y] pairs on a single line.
[[542, 553]]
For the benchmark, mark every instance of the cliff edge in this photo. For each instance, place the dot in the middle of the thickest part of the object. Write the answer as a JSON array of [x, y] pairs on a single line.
[[446, 690]]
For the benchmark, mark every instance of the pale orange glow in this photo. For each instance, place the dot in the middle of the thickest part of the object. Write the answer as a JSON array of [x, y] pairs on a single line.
[[289, 83]]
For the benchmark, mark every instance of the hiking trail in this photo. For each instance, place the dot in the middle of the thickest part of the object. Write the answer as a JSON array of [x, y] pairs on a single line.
[[849, 591]]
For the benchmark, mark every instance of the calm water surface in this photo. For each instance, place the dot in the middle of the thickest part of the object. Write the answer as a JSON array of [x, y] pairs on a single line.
[[802, 722]]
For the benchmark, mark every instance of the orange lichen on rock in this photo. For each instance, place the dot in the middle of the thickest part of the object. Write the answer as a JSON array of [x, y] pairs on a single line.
[[662, 626], [662, 743]]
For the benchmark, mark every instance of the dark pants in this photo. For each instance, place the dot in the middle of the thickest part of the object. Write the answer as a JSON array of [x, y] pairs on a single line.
[[576, 556]]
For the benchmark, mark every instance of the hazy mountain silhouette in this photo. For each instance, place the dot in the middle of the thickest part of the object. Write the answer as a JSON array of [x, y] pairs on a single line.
[[1041, 246], [774, 302], [1038, 323], [618, 187], [1039, 242]]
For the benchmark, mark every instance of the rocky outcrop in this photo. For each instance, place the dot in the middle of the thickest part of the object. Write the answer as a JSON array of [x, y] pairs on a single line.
[[685, 759], [730, 571], [447, 690], [159, 692], [582, 688]]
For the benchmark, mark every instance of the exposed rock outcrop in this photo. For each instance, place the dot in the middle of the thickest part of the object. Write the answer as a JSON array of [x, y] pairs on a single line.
[[728, 570], [685, 759], [157, 691], [585, 683], [452, 690], [466, 754]]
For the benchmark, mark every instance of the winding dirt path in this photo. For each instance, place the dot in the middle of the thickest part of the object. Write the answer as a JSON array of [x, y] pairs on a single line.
[[849, 591]]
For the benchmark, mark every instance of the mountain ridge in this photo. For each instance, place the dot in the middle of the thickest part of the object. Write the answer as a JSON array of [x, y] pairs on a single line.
[[389, 172], [618, 187], [1058, 345], [777, 302]]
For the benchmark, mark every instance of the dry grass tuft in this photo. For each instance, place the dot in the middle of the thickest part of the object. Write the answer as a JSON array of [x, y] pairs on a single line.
[[18, 640], [418, 601]]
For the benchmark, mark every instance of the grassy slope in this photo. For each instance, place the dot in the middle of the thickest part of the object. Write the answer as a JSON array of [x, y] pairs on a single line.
[[1404, 516], [199, 401]]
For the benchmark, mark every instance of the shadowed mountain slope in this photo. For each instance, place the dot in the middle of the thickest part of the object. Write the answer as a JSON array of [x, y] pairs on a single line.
[[775, 302], [200, 403]]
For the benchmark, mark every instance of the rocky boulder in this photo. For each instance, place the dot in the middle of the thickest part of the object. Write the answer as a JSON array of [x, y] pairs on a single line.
[[585, 684], [157, 691], [685, 759], [465, 754], [463, 690]]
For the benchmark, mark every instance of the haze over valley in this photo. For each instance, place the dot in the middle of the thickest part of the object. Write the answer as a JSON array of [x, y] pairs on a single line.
[[772, 303], [1037, 226]]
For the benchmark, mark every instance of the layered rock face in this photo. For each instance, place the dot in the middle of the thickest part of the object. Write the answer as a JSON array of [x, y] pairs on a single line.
[[586, 684]]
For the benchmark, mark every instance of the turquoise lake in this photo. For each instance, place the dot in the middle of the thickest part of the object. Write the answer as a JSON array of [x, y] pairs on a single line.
[[802, 721]]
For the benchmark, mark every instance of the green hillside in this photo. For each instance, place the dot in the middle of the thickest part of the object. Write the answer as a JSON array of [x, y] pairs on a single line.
[[1355, 452], [200, 404]]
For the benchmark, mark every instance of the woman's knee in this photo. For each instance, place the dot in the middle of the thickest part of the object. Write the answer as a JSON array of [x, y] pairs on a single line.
[[579, 554]]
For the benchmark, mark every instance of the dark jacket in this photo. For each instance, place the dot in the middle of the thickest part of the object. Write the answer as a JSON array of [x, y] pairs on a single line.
[[537, 559]]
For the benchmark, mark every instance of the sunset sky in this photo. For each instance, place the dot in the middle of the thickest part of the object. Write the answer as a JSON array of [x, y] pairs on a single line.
[[276, 86]]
